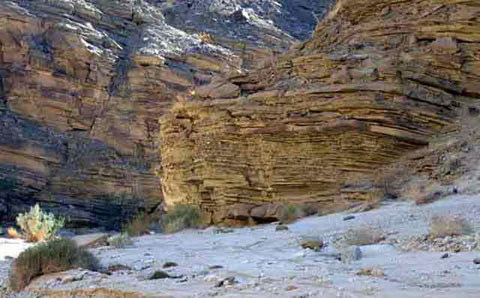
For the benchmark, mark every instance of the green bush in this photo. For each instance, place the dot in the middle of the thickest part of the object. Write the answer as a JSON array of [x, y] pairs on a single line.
[[37, 225], [49, 257], [181, 217]]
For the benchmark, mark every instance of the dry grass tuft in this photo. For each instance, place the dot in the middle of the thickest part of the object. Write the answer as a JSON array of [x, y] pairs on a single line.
[[139, 224], [375, 272], [13, 233], [290, 213], [50, 257], [309, 209], [181, 217], [422, 191], [442, 226], [206, 38]]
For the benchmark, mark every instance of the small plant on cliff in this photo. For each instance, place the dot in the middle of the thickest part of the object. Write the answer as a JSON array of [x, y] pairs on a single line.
[[206, 38], [37, 225], [181, 217], [50, 257]]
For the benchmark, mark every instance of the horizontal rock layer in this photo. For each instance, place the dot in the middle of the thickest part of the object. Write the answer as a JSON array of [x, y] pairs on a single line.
[[379, 79], [82, 85]]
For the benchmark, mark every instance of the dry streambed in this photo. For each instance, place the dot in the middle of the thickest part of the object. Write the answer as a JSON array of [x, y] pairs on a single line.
[[264, 262]]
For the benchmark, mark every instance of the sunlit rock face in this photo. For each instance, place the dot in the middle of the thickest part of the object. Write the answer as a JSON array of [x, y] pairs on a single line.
[[83, 83], [378, 79]]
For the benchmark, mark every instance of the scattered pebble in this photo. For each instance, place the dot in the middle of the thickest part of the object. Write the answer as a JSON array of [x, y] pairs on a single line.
[[210, 278], [349, 217], [375, 272], [159, 274], [447, 244], [141, 266], [445, 255], [222, 231], [118, 267], [226, 282], [350, 254], [291, 288], [281, 228], [312, 244], [476, 261]]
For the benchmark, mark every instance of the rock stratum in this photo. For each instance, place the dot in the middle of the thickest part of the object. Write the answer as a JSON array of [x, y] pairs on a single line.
[[379, 79], [83, 83]]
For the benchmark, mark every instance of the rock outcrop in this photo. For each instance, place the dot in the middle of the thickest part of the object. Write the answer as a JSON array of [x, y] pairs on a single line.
[[82, 85], [379, 79]]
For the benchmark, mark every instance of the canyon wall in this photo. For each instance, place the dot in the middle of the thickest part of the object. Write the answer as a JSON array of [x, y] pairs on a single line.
[[83, 83], [378, 79]]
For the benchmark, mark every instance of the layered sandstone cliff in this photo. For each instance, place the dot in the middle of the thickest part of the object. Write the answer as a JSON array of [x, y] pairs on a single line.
[[83, 83], [379, 79]]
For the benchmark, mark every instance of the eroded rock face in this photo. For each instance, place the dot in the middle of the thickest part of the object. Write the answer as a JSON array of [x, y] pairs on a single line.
[[379, 79], [82, 85]]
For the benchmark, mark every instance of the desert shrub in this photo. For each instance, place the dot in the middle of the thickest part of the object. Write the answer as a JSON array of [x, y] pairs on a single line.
[[49, 257], [138, 225], [389, 182], [181, 217], [363, 236], [119, 241], [424, 190], [290, 213], [37, 225], [13, 233], [1, 230], [442, 226]]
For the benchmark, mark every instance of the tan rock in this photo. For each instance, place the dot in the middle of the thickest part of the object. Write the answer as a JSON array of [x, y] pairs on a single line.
[[378, 80], [218, 89]]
